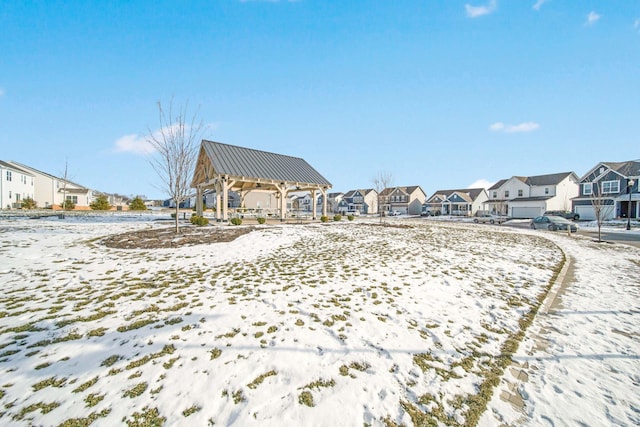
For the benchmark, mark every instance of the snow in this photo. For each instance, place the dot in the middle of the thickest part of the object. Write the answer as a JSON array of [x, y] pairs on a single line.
[[370, 320]]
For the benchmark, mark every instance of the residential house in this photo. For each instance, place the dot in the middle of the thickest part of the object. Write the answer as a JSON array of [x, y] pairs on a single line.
[[406, 200], [461, 202], [15, 185], [529, 197], [359, 202], [50, 191], [613, 188]]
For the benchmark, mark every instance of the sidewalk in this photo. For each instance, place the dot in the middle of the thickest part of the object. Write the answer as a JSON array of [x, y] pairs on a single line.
[[578, 364]]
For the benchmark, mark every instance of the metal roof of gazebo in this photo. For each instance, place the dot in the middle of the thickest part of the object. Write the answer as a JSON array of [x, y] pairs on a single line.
[[227, 167]]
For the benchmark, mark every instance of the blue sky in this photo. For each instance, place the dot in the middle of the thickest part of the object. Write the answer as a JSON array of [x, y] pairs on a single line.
[[441, 94]]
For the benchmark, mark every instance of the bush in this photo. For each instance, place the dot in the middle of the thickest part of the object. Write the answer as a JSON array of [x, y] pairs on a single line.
[[235, 221], [350, 217], [29, 203], [324, 218], [199, 220], [101, 203], [137, 204], [261, 220], [68, 205], [337, 217]]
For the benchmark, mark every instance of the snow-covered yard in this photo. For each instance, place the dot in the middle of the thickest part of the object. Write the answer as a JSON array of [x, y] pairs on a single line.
[[323, 324]]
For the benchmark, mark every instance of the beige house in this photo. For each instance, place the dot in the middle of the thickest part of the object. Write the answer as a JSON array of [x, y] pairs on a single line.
[[405, 200]]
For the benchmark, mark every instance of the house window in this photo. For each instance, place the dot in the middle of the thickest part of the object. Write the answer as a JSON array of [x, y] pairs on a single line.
[[610, 187], [506, 193], [8, 175], [546, 190], [520, 193], [587, 188], [495, 194], [73, 199]]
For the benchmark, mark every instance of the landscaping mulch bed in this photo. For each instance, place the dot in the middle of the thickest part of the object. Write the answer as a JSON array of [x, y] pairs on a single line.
[[168, 238]]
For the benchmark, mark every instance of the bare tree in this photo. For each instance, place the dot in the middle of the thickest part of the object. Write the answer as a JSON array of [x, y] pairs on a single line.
[[602, 207], [66, 204], [381, 181], [176, 146]]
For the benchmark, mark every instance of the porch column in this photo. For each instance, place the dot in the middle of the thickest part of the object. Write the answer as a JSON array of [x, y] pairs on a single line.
[[325, 202], [313, 204], [218, 200], [226, 184], [198, 200], [282, 189]]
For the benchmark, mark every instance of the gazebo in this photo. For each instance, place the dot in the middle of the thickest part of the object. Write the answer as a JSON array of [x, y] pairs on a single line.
[[225, 168]]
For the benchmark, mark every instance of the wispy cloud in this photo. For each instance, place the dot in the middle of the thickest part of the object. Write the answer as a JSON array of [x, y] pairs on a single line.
[[519, 128], [139, 144], [1, 92], [539, 4], [592, 18], [477, 11], [481, 183], [636, 24], [134, 143]]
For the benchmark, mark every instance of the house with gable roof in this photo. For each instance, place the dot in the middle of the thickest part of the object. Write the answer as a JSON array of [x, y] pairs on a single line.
[[406, 200], [50, 191], [15, 185], [357, 202], [461, 202], [615, 185], [529, 197]]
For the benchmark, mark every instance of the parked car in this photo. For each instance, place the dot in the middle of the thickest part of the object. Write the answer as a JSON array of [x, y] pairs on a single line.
[[553, 223], [489, 218], [564, 214], [394, 213]]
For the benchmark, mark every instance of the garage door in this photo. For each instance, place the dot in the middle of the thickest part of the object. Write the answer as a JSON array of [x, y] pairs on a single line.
[[525, 212], [586, 212]]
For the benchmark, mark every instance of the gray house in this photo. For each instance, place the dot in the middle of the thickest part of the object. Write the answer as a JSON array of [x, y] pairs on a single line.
[[611, 187]]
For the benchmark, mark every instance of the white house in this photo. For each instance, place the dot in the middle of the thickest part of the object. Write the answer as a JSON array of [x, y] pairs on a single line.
[[528, 197], [15, 185], [50, 191]]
